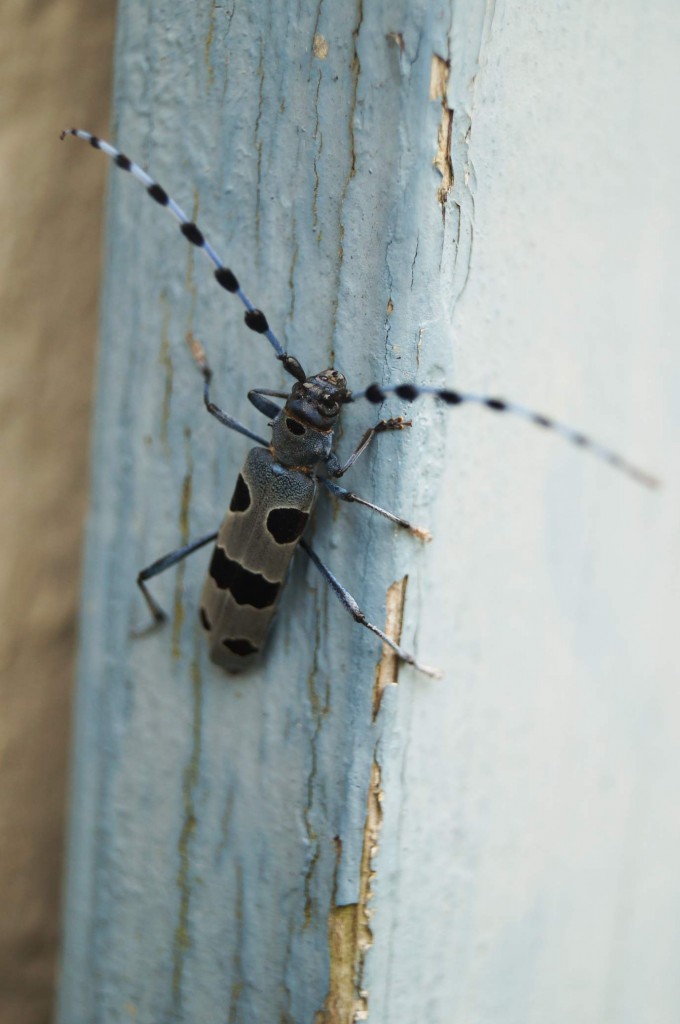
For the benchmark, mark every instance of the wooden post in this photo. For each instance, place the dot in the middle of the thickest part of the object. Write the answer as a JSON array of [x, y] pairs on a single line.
[[447, 193]]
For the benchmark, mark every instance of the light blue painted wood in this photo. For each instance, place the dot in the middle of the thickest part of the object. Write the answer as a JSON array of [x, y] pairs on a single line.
[[204, 864]]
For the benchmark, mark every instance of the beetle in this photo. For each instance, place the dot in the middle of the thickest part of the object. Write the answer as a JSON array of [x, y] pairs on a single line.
[[277, 488]]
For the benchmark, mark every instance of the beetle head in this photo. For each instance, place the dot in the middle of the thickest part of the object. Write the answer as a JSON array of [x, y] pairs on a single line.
[[319, 399]]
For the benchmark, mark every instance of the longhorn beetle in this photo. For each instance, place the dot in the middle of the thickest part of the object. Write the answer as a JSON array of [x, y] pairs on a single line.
[[277, 488]]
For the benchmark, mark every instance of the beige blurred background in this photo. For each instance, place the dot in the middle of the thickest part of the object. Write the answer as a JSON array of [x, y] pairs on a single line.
[[55, 60]]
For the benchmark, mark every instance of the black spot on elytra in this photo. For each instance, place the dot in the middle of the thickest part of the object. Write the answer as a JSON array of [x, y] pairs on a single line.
[[240, 646], [240, 499], [123, 162], [406, 391], [294, 427], [496, 404], [205, 621], [286, 524], [246, 587]]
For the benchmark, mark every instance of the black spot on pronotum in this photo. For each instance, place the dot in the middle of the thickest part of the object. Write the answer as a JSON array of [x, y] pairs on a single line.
[[406, 391], [246, 587], [581, 440], [240, 646], [375, 394], [225, 277], [257, 321], [542, 421], [123, 161], [496, 404], [294, 427], [205, 621], [158, 193], [240, 499], [286, 524], [192, 233], [94, 141]]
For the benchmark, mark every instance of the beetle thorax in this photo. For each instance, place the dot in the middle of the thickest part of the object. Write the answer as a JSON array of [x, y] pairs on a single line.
[[302, 433]]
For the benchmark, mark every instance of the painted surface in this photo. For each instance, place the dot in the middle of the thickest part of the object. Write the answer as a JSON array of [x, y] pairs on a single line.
[[513, 829]]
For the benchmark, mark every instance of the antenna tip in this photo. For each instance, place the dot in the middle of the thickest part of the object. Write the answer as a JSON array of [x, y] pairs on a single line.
[[433, 673]]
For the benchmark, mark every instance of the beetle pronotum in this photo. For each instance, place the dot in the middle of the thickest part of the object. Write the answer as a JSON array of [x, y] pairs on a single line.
[[277, 488]]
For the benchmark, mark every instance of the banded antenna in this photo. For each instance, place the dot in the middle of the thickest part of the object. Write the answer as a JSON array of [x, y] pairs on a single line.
[[376, 394], [254, 318]]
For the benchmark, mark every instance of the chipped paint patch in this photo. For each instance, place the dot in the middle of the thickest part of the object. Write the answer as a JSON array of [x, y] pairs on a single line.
[[387, 673], [355, 68], [189, 784], [184, 510], [320, 46], [207, 46], [349, 931], [166, 362], [291, 272], [236, 987], [439, 81], [341, 1002], [318, 710], [372, 827]]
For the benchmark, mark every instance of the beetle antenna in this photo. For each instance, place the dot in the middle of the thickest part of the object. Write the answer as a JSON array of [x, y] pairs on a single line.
[[376, 394], [254, 318]]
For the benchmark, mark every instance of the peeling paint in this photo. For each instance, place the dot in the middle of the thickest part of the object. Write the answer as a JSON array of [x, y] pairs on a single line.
[[356, 72], [184, 510], [341, 1004], [320, 46], [165, 360], [236, 986], [372, 827], [413, 261], [208, 44], [225, 824], [291, 271], [258, 141], [182, 938], [419, 345], [318, 711], [387, 673], [349, 931], [439, 80], [318, 135]]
